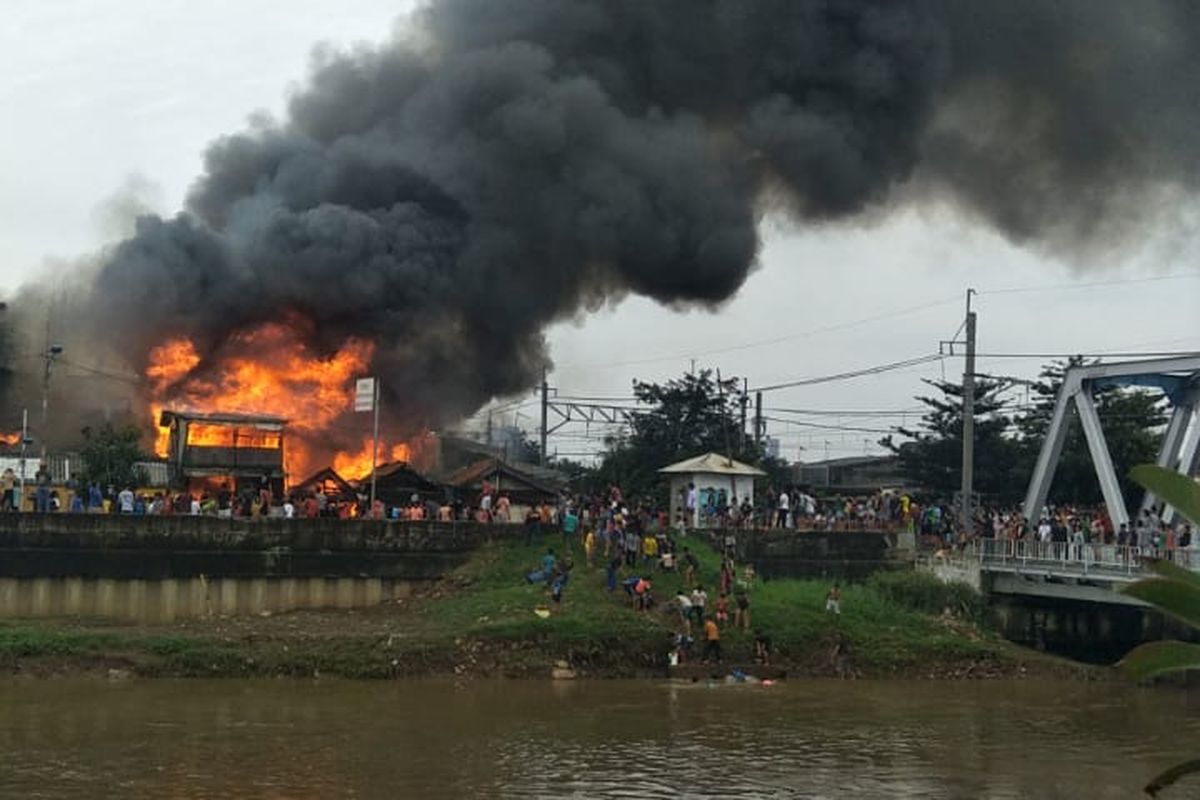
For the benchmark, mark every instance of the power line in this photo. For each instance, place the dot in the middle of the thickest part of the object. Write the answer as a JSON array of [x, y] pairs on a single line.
[[1058, 287], [774, 340], [841, 376], [1162, 354], [830, 412], [819, 426]]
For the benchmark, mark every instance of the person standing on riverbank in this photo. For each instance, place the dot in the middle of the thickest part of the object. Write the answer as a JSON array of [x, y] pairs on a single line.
[[589, 546], [762, 648], [684, 604], [712, 641], [833, 600], [691, 565], [570, 525], [633, 545], [699, 601], [722, 608], [649, 549], [741, 608]]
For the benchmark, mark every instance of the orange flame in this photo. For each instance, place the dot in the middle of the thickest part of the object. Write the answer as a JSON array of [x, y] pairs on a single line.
[[267, 370], [356, 466], [171, 361], [10, 439], [204, 434]]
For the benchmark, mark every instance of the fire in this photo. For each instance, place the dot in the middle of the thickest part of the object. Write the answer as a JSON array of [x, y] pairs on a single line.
[[356, 466], [268, 370], [171, 361], [229, 436], [10, 439]]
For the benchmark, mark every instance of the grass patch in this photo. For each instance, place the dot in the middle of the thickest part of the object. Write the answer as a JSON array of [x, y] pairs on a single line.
[[481, 620]]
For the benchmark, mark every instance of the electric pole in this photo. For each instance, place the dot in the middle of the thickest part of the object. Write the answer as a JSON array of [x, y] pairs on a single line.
[[758, 418], [745, 401], [966, 518], [545, 420], [53, 351]]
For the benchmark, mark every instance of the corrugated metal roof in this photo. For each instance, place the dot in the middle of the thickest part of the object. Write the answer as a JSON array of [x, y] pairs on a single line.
[[712, 463], [228, 418]]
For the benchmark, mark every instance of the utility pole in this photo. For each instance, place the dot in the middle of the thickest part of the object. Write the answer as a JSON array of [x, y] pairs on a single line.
[[545, 409], [758, 418], [966, 518], [744, 401], [374, 443], [24, 445], [53, 351]]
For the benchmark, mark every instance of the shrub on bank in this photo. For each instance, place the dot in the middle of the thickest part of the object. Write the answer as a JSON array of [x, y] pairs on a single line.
[[920, 591]]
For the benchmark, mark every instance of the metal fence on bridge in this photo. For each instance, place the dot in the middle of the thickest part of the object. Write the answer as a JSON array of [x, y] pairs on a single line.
[[1076, 557]]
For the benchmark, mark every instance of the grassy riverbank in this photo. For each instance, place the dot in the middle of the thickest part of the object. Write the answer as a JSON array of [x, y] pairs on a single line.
[[480, 621]]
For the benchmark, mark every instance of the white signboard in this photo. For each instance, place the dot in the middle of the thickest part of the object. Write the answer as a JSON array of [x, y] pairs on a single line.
[[364, 394]]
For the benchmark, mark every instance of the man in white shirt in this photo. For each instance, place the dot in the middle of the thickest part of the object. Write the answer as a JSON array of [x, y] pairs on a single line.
[[289, 510], [782, 515], [125, 501]]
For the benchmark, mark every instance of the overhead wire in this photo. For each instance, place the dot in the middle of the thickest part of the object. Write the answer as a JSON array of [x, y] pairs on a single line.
[[858, 373], [775, 339], [1076, 286]]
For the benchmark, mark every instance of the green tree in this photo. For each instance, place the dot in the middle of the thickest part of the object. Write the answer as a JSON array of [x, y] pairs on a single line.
[[109, 456], [1131, 419], [682, 418], [1174, 591], [931, 456]]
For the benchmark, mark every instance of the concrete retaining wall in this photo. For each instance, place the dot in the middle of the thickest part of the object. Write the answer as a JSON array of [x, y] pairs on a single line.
[[159, 548], [156, 569], [166, 600], [817, 554]]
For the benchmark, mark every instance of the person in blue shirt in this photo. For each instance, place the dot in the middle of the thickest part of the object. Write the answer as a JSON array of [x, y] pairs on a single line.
[[544, 575], [570, 524]]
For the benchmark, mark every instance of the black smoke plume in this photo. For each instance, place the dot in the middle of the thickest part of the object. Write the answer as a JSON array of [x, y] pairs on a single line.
[[501, 164]]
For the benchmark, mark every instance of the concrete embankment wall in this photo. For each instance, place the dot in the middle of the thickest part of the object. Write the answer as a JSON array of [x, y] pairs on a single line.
[[170, 599], [851, 555], [165, 568]]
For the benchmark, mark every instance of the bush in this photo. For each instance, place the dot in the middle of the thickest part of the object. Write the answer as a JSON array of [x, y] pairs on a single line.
[[920, 591]]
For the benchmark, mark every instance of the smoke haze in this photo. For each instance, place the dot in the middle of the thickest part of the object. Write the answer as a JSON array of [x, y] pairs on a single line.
[[502, 164]]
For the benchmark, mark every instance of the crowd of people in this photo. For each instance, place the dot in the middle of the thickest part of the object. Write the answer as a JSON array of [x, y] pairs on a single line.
[[1068, 530], [641, 553], [634, 530]]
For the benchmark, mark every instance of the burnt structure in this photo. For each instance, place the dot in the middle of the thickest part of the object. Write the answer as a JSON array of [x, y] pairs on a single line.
[[238, 451]]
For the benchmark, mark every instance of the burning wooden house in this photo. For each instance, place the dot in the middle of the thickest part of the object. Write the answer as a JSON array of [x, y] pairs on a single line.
[[239, 451]]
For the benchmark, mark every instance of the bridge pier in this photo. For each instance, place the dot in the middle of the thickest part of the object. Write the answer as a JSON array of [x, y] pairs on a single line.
[[1062, 598]]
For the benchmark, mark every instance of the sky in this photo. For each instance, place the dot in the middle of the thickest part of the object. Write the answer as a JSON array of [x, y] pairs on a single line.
[[106, 99]]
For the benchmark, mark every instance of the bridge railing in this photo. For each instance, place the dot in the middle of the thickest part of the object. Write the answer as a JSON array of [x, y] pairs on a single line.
[[1078, 557]]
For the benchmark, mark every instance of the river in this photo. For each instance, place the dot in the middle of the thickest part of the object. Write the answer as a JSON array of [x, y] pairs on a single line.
[[822, 739]]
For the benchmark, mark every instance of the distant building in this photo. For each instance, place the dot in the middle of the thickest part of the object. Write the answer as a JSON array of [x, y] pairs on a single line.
[[327, 482], [525, 484], [397, 482], [243, 449], [851, 475]]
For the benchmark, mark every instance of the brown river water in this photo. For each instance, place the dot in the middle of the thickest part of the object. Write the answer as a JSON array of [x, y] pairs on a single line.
[[810, 739]]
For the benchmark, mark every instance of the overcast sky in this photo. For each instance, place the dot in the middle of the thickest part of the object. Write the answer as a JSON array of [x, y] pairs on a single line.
[[105, 94]]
